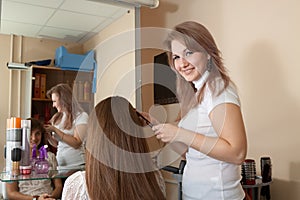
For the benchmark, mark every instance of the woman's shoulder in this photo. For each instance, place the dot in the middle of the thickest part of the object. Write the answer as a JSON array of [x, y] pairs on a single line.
[[79, 175], [82, 118], [74, 187]]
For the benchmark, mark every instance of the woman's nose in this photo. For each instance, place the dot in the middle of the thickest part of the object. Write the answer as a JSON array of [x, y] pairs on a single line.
[[33, 137], [183, 62]]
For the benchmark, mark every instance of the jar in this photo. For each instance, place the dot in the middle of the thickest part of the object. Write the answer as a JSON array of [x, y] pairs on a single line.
[[248, 172], [25, 170]]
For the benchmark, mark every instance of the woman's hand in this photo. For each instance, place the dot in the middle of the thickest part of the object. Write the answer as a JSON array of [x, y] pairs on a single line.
[[172, 133], [147, 119], [45, 196], [166, 132], [49, 136], [49, 128]]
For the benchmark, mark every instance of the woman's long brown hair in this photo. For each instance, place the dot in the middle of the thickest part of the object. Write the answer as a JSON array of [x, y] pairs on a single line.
[[118, 161], [68, 102], [198, 39]]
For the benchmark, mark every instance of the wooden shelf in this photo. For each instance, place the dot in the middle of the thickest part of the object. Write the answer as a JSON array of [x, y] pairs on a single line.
[[42, 107], [57, 68], [40, 99], [46, 67]]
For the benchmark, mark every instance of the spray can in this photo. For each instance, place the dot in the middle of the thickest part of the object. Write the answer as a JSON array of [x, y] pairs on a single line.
[[26, 129], [13, 141]]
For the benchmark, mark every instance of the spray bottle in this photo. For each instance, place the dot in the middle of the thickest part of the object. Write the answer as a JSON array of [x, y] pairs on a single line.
[[33, 157], [42, 165]]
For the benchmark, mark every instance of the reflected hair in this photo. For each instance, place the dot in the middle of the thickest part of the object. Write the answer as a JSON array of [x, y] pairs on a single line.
[[68, 103]]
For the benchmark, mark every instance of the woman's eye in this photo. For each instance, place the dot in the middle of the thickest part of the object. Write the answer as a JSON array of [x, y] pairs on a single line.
[[175, 57], [188, 53]]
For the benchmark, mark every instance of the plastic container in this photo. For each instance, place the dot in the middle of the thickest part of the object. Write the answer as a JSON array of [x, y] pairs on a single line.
[[248, 172], [25, 170], [68, 61]]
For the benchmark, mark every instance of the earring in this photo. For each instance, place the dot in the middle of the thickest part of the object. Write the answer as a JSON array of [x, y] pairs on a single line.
[[209, 65]]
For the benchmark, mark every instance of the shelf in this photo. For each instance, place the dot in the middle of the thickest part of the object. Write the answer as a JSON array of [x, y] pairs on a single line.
[[46, 67], [42, 107], [40, 99], [57, 68], [6, 177]]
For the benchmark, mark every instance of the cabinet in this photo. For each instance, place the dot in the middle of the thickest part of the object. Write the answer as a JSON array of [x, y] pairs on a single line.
[[44, 77]]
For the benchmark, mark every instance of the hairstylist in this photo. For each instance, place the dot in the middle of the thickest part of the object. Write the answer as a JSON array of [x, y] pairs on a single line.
[[211, 123], [68, 127]]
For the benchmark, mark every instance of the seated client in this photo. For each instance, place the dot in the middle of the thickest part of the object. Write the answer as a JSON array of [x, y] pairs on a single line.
[[118, 160]]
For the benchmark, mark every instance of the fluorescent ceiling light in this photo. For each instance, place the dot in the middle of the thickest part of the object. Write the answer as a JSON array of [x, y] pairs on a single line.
[[136, 3]]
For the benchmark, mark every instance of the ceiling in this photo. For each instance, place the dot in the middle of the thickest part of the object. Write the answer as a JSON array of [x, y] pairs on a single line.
[[64, 20]]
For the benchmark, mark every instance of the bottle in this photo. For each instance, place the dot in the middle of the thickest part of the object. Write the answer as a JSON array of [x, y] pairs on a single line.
[[80, 91], [75, 89], [33, 157], [248, 172], [42, 165], [16, 158], [86, 91], [26, 127], [266, 169]]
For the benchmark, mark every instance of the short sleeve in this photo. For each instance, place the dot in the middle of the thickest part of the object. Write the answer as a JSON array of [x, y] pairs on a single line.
[[82, 118], [229, 95], [74, 187], [52, 161]]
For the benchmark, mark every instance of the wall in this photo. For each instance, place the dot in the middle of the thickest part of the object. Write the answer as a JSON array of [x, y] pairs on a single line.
[[260, 42], [115, 53]]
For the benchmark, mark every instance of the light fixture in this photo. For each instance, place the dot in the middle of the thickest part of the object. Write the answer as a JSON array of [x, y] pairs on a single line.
[[12, 65], [135, 3]]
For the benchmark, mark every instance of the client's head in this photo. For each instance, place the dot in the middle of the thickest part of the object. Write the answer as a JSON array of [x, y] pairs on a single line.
[[117, 154]]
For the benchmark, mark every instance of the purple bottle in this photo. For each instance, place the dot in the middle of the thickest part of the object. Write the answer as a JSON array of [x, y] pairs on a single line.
[[33, 157], [42, 165]]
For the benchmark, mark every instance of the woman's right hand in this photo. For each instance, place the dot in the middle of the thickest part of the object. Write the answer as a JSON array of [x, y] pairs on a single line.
[[49, 136]]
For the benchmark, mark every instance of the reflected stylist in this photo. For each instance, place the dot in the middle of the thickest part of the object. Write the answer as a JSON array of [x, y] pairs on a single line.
[[68, 128]]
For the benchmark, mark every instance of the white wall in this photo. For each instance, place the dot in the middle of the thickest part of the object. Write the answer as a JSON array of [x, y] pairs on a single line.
[[115, 54], [260, 45]]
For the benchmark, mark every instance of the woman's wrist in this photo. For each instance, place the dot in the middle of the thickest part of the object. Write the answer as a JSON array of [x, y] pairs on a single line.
[[185, 136], [62, 137]]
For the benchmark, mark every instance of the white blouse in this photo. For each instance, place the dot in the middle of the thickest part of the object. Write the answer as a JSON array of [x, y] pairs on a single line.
[[205, 177], [75, 187], [38, 187]]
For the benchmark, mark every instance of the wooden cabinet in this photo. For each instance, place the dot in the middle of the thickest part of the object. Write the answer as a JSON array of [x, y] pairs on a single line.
[[44, 77]]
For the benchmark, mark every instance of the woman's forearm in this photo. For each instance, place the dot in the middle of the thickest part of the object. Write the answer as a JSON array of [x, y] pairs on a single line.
[[69, 139]]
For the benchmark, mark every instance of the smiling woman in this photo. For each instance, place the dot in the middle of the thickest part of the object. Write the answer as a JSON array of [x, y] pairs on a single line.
[[68, 126], [211, 124]]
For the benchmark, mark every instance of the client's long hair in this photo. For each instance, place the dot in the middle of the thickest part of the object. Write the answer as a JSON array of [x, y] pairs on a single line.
[[118, 161]]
